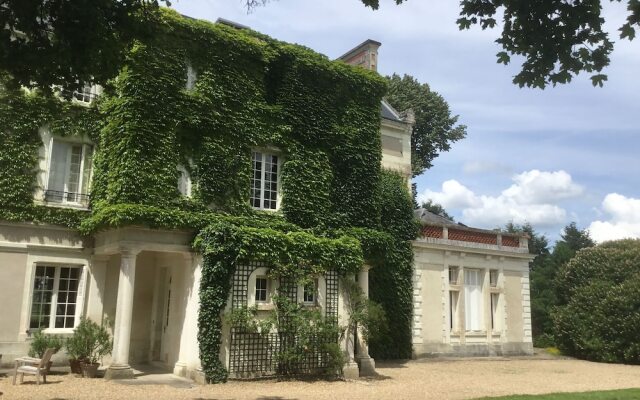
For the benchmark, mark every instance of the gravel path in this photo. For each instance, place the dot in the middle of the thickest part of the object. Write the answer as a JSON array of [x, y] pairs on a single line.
[[428, 379]]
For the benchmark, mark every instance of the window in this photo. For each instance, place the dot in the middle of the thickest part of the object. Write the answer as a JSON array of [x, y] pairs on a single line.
[[453, 306], [87, 94], [261, 289], [495, 298], [309, 293], [264, 188], [473, 300], [184, 181], [191, 77], [69, 173], [493, 278], [453, 275], [55, 290]]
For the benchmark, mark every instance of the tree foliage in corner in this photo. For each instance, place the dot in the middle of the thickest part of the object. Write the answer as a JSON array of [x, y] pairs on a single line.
[[63, 42], [435, 128], [558, 39]]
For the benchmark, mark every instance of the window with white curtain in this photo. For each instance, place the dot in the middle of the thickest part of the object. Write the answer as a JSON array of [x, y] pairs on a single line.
[[69, 173], [473, 300], [184, 181]]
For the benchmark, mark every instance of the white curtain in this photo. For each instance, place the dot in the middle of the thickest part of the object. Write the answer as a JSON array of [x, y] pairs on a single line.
[[473, 300], [58, 169]]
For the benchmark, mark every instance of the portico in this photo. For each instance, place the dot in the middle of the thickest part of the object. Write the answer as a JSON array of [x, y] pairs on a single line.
[[143, 281]]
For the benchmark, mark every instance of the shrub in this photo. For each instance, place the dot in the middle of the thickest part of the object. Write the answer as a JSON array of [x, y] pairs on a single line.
[[41, 342], [598, 318], [90, 342]]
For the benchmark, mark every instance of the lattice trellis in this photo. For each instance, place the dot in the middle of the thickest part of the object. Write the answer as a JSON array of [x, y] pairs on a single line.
[[255, 354]]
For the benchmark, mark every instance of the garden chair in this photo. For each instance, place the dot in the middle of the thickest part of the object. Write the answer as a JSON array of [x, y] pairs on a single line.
[[33, 366]]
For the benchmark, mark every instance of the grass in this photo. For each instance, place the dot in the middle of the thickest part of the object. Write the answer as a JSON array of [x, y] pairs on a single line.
[[626, 394]]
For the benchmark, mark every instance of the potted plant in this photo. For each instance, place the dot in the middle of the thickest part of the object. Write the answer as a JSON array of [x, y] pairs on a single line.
[[93, 342], [41, 342], [75, 353]]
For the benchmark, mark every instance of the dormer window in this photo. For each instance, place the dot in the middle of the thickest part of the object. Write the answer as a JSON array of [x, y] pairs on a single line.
[[184, 181], [265, 181], [69, 173]]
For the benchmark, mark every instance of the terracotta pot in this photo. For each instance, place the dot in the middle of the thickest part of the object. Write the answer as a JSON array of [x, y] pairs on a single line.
[[74, 364], [90, 370]]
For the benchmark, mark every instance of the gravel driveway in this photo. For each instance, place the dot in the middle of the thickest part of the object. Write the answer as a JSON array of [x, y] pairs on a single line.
[[425, 379]]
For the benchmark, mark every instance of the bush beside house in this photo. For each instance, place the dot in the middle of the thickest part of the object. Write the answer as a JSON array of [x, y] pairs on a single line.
[[599, 294]]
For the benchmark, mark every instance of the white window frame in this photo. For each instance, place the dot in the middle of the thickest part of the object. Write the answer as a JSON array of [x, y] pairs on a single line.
[[320, 283], [83, 159], [80, 293], [272, 286], [267, 298], [264, 154], [87, 94], [314, 301]]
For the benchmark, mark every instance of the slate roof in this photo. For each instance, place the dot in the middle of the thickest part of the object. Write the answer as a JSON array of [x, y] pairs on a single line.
[[427, 217], [387, 112]]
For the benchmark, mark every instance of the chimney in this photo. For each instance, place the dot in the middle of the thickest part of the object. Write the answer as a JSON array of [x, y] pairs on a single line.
[[364, 55]]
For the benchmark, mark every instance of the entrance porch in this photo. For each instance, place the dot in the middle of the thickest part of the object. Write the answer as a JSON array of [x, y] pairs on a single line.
[[143, 286]]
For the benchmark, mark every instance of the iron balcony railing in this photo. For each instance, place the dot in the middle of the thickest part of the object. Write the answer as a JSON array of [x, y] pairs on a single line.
[[57, 196]]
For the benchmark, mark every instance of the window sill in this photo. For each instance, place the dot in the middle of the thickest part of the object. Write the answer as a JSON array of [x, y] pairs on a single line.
[[52, 331], [475, 333], [73, 206], [265, 306]]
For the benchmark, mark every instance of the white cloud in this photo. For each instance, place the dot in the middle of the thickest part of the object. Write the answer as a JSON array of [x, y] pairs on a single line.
[[531, 198], [624, 222], [453, 195], [534, 187]]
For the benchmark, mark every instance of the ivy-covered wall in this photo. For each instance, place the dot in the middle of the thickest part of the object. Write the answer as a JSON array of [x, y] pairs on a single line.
[[251, 92]]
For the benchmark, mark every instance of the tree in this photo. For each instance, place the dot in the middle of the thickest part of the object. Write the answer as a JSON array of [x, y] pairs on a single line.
[[558, 39], [434, 129], [597, 317], [68, 42], [544, 296], [538, 244], [436, 208]]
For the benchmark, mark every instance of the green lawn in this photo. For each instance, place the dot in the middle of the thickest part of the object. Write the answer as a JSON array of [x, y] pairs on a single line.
[[627, 394]]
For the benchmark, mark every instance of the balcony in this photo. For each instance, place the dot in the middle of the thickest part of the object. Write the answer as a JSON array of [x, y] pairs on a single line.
[[67, 198]]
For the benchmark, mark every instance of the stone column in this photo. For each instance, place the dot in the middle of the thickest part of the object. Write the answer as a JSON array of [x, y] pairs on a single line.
[[366, 363], [120, 368], [350, 370]]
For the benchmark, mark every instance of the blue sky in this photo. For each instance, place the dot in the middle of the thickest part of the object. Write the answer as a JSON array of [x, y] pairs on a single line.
[[568, 153]]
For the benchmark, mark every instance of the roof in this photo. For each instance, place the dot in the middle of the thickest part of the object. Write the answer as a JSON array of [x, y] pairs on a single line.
[[388, 112], [428, 218], [231, 23], [358, 47]]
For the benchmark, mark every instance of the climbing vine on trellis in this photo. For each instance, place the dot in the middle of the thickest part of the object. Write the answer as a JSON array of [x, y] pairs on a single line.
[[250, 92]]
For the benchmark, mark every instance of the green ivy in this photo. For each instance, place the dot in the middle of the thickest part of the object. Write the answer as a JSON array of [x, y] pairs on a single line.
[[224, 244], [338, 207]]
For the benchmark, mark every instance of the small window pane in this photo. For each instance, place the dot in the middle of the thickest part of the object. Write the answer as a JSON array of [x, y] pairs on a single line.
[[309, 293], [261, 289], [493, 277]]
